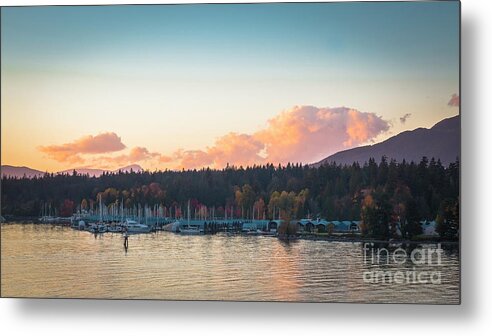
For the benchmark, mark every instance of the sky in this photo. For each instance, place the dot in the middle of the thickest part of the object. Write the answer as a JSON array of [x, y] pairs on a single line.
[[190, 86]]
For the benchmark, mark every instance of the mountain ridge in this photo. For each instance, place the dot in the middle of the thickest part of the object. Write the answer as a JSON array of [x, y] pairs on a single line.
[[21, 171], [441, 141]]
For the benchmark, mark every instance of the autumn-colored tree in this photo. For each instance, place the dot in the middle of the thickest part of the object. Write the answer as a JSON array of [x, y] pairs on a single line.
[[259, 209], [273, 204], [245, 199], [67, 208], [287, 203], [376, 216], [84, 205]]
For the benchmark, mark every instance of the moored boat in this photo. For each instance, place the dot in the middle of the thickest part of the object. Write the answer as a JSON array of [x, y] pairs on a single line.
[[115, 228], [190, 230], [172, 227], [131, 226], [92, 227]]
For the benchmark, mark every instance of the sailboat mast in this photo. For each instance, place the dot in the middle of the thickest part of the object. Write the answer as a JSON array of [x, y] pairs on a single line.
[[100, 208], [188, 213]]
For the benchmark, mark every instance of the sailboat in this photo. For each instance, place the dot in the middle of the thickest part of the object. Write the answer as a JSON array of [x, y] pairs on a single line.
[[46, 214], [117, 227], [132, 227], [188, 229], [99, 227], [172, 226]]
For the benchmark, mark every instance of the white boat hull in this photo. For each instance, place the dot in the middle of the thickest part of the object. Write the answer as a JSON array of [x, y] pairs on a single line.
[[190, 232], [138, 230]]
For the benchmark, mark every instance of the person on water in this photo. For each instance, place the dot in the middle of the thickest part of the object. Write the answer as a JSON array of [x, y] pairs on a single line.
[[125, 236]]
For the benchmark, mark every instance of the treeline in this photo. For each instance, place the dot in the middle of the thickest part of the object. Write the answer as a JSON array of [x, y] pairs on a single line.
[[374, 192]]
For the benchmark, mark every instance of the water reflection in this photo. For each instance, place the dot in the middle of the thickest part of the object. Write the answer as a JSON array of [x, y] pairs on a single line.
[[51, 261]]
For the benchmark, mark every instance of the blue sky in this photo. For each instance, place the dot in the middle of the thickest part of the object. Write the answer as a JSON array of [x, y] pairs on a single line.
[[192, 73], [223, 36]]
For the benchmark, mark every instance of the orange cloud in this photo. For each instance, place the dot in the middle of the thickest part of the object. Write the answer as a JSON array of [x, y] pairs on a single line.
[[71, 152], [140, 154], [454, 101], [191, 159], [301, 134], [136, 154], [308, 133], [165, 159], [361, 127], [236, 149], [86, 149]]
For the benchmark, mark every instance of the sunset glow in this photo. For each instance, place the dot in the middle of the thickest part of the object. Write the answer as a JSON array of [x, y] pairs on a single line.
[[191, 86]]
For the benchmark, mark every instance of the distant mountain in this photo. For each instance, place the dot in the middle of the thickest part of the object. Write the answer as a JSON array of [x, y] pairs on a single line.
[[98, 172], [30, 173], [20, 171], [84, 171], [134, 167], [442, 141]]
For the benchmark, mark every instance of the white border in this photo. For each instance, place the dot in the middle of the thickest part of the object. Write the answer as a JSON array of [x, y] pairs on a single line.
[[86, 317]]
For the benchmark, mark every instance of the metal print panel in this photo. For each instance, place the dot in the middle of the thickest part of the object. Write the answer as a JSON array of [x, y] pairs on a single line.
[[303, 152]]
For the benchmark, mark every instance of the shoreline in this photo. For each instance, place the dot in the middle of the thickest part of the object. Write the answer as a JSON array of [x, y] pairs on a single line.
[[313, 237], [347, 239]]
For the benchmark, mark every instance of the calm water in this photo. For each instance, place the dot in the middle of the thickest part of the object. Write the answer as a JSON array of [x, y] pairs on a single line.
[[52, 261]]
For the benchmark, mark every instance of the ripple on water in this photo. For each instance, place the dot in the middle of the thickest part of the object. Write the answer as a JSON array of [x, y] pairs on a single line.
[[52, 261]]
